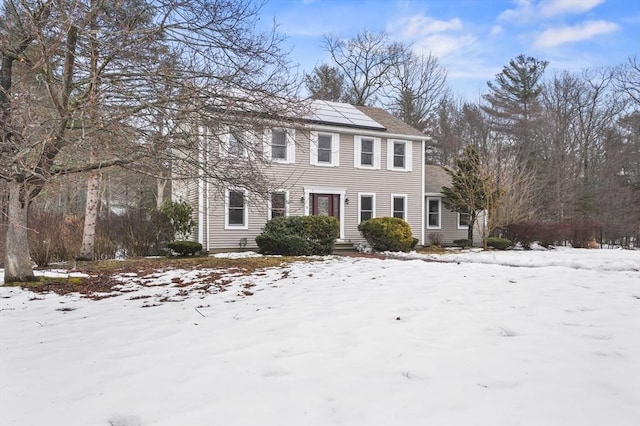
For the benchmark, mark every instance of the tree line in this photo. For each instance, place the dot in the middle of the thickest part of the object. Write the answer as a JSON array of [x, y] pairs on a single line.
[[555, 146]]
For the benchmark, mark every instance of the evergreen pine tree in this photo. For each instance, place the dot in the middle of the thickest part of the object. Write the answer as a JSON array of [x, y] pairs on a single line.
[[513, 105], [468, 190]]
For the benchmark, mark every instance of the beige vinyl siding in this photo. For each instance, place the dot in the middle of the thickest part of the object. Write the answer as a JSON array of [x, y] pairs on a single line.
[[301, 176]]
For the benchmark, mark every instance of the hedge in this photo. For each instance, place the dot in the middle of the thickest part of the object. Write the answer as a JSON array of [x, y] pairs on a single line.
[[499, 243], [185, 248], [299, 235]]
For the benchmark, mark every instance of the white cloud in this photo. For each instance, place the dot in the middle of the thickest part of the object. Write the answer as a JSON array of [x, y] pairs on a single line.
[[528, 10], [430, 35], [561, 7], [571, 34], [524, 11], [442, 45], [495, 30], [419, 25]]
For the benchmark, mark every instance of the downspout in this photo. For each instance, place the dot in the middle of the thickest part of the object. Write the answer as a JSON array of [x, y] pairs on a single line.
[[207, 196], [200, 187], [422, 196]]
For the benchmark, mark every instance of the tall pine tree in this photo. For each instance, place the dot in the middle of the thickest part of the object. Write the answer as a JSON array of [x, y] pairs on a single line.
[[514, 106]]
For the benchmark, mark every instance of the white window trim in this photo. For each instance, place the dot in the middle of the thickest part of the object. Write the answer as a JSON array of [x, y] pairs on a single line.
[[439, 199], [226, 141], [406, 204], [286, 202], [245, 212], [291, 146], [458, 222], [357, 151], [373, 203], [335, 149], [408, 157]]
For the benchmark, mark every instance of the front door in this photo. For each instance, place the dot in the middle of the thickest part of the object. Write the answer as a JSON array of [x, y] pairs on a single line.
[[325, 205]]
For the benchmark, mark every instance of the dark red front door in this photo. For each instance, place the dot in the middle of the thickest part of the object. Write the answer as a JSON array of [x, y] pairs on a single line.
[[325, 205]]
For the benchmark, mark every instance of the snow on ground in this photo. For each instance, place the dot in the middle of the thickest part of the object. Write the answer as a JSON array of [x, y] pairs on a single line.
[[341, 341]]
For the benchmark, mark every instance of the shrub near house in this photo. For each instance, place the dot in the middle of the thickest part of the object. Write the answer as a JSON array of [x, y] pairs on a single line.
[[299, 235], [388, 234]]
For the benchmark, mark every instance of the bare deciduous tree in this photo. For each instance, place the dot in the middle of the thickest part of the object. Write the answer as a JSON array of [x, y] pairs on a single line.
[[628, 79], [415, 88], [59, 57], [366, 61]]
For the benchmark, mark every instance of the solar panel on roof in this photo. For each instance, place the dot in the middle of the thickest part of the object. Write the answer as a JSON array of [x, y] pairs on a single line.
[[337, 113]]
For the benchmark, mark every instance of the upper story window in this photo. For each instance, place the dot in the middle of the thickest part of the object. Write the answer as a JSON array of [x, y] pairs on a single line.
[[399, 155], [279, 145], [433, 213], [325, 149], [399, 206], [236, 211], [366, 152], [278, 204], [235, 143]]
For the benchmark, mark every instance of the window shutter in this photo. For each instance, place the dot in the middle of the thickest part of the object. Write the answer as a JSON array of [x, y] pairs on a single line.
[[266, 145], [313, 151], [291, 146]]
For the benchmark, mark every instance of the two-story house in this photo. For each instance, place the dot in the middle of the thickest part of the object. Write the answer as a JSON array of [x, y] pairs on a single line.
[[351, 162]]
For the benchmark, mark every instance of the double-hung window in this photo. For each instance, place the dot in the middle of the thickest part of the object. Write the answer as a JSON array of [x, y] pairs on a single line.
[[366, 152], [399, 155], [236, 211], [279, 145], [278, 204], [433, 213], [236, 143], [366, 206], [463, 219], [325, 149], [399, 206]]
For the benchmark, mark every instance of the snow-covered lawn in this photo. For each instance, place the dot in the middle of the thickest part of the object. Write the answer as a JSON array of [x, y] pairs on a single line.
[[487, 338]]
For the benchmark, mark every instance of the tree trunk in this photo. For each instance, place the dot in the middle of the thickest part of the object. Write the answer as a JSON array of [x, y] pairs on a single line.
[[472, 223], [90, 217], [161, 184], [17, 261]]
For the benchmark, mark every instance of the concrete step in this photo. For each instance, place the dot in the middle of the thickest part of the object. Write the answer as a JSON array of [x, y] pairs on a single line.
[[343, 247]]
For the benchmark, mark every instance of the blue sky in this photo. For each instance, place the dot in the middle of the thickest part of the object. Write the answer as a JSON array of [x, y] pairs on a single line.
[[473, 39]]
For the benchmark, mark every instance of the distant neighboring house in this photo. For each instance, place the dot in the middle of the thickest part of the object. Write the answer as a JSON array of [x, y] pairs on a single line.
[[443, 226], [347, 161]]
